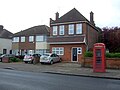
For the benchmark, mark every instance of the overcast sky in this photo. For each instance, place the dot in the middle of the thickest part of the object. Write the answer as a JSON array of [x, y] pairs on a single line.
[[17, 15]]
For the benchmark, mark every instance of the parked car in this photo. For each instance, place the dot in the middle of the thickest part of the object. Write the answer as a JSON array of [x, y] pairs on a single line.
[[6, 55], [0, 57], [49, 58], [29, 58]]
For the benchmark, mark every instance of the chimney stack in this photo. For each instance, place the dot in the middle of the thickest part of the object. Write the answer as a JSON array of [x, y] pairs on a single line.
[[92, 18], [57, 15], [1, 27]]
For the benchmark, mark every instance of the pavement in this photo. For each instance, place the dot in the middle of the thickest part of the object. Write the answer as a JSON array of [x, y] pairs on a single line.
[[73, 69]]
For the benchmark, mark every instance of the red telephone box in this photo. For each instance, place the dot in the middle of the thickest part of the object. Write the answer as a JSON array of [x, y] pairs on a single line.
[[99, 57]]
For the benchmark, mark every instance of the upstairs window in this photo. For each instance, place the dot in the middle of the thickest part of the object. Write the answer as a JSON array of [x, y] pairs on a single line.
[[23, 39], [31, 38], [61, 30], [54, 30], [16, 39], [78, 28], [71, 29], [39, 38]]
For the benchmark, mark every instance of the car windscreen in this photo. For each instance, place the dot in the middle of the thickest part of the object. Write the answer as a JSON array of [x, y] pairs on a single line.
[[45, 55]]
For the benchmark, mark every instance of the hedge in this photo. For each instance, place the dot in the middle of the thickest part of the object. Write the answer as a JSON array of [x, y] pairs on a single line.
[[14, 59], [88, 54], [108, 55]]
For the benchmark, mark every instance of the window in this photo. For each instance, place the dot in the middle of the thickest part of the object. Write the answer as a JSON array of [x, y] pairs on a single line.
[[31, 52], [79, 50], [31, 38], [61, 30], [15, 52], [39, 38], [78, 28], [41, 51], [23, 39], [58, 50], [54, 30], [71, 29], [16, 39]]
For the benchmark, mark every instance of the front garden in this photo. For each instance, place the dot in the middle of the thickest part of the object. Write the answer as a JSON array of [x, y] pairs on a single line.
[[112, 60]]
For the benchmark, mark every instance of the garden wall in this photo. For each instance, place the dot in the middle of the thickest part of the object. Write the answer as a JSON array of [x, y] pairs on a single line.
[[113, 63]]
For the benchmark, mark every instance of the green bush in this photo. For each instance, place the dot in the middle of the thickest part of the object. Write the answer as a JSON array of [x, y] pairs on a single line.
[[14, 59], [113, 55], [108, 55], [88, 54]]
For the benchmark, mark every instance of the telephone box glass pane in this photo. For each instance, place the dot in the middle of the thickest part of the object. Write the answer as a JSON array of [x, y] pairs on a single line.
[[98, 56]]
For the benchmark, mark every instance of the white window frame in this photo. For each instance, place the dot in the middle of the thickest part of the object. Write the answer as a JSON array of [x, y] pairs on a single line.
[[15, 39], [71, 29], [61, 30], [23, 39], [31, 38], [58, 50], [79, 50], [55, 30], [31, 52], [39, 38], [78, 28]]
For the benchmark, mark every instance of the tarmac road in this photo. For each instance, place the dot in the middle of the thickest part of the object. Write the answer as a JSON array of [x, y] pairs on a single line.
[[21, 80]]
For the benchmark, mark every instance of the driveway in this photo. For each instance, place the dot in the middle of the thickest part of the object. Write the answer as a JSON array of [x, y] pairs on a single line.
[[39, 67]]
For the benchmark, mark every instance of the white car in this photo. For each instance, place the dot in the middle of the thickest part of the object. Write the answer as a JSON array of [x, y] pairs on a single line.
[[49, 58], [29, 58]]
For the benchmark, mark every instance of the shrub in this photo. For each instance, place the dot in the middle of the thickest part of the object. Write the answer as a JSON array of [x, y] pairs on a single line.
[[108, 55], [14, 59], [88, 54], [113, 55]]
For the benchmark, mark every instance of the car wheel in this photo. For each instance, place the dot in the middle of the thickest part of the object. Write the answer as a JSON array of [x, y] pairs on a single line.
[[32, 62], [42, 63], [60, 60], [51, 62], [26, 61]]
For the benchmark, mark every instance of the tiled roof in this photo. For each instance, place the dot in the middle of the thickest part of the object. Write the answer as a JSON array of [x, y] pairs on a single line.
[[5, 34], [71, 16], [41, 29]]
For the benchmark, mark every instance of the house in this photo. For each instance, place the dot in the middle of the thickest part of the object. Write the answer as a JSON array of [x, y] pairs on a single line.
[[5, 41], [31, 40], [71, 35]]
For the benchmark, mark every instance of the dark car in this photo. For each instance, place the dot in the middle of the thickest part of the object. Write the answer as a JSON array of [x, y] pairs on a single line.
[[6, 55]]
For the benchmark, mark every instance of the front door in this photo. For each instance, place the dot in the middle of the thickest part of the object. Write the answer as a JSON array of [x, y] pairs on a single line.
[[4, 51], [74, 54]]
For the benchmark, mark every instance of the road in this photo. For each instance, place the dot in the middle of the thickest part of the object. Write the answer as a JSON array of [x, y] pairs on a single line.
[[21, 80]]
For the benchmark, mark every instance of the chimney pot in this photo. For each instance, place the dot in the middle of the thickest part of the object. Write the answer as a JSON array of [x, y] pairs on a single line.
[[57, 15], [92, 18], [1, 27]]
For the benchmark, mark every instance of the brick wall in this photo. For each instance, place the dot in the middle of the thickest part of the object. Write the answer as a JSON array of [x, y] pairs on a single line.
[[66, 29], [27, 45], [67, 52], [113, 63]]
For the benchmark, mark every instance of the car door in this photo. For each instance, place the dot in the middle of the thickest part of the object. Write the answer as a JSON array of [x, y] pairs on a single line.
[[57, 58], [53, 57]]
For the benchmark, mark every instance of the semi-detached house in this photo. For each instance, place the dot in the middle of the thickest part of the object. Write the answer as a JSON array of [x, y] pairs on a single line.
[[71, 35], [5, 41], [30, 41]]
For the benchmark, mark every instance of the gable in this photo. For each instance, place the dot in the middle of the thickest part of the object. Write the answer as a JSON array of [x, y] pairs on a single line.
[[71, 16], [5, 34]]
